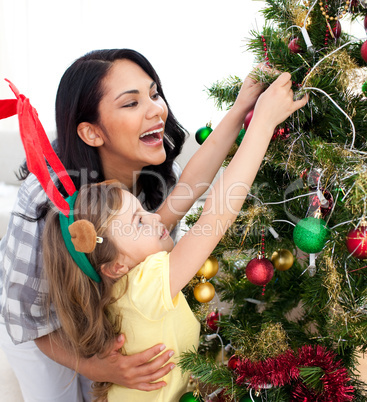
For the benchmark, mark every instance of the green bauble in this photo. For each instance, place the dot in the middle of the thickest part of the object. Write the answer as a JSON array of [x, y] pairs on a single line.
[[203, 133], [311, 234], [247, 398], [240, 137], [189, 397], [364, 88]]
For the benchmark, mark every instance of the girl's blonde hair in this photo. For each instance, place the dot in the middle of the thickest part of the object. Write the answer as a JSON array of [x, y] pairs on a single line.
[[81, 305]]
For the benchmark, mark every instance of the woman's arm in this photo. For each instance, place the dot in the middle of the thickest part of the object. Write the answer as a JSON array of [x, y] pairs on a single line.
[[139, 371], [204, 165], [229, 192]]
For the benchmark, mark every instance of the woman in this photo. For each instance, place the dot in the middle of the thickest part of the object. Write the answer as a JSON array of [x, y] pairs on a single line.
[[111, 115], [98, 138]]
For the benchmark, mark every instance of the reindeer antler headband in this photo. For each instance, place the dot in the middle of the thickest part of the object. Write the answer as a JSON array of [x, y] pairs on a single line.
[[38, 150]]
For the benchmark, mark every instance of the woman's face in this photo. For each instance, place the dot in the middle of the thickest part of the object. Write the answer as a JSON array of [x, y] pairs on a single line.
[[132, 119]]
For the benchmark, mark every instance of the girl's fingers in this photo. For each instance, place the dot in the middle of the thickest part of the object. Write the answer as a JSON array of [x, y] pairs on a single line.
[[284, 79], [301, 102]]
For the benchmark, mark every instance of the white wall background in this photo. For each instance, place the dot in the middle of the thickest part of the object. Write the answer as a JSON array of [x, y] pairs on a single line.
[[191, 44]]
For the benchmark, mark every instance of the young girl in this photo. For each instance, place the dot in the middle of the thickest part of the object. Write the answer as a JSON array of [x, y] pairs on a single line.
[[141, 272]]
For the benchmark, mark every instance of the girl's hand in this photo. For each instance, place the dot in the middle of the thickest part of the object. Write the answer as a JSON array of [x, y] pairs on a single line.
[[277, 103]]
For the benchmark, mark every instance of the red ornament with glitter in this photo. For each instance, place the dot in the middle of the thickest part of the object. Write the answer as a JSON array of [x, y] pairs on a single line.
[[357, 241], [259, 271]]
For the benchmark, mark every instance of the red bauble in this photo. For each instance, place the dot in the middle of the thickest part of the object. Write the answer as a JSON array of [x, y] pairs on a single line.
[[337, 30], [357, 242], [325, 208], [364, 51], [280, 132], [222, 397], [248, 118], [365, 23], [293, 46], [233, 362], [312, 177], [212, 320], [354, 3], [259, 271]]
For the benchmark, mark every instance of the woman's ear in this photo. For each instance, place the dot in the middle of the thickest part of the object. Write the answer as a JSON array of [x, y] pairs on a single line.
[[90, 134]]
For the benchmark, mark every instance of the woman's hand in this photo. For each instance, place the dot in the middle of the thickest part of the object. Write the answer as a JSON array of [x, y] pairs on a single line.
[[138, 371]]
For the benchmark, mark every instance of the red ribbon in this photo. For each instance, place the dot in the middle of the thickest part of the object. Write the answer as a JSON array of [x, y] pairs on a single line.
[[38, 148]]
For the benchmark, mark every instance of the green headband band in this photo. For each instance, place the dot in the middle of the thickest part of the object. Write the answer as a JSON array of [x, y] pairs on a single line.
[[79, 258]]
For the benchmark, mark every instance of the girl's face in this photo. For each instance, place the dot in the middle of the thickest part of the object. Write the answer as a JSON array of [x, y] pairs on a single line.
[[132, 119], [138, 233]]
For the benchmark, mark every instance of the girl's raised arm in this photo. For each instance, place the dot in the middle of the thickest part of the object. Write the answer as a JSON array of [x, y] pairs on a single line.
[[229, 192], [205, 163]]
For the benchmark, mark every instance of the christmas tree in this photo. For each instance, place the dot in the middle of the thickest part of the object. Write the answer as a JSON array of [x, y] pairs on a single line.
[[292, 270]]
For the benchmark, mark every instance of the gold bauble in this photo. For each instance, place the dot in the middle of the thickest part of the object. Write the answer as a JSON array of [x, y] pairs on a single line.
[[204, 292], [282, 259], [209, 268]]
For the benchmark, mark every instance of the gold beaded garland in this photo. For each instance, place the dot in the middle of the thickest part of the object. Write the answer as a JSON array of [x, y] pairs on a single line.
[[338, 17]]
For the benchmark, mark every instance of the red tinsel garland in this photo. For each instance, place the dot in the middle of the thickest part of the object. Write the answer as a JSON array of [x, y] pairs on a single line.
[[284, 369]]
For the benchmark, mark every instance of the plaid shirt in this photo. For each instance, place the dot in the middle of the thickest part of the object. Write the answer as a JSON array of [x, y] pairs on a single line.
[[23, 289]]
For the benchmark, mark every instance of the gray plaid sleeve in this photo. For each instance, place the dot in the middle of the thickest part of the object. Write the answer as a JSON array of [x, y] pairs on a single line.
[[23, 288]]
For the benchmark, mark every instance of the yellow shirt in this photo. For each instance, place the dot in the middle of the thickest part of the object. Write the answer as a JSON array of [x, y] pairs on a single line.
[[149, 317]]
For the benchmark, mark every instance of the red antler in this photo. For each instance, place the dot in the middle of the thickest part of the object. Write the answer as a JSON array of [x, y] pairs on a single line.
[[38, 148]]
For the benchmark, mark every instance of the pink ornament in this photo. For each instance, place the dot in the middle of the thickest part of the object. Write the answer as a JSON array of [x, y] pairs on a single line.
[[293, 46], [364, 51], [337, 30], [259, 271], [248, 118]]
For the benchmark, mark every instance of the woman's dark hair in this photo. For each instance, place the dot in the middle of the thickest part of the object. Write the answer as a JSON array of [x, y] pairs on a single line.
[[79, 94]]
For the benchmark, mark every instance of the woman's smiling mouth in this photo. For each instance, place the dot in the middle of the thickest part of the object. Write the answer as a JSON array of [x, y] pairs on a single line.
[[152, 137]]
